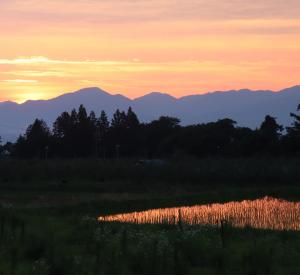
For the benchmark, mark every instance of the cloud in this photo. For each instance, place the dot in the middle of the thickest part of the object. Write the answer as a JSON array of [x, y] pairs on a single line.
[[36, 73], [120, 11], [35, 60], [51, 77], [98, 66], [20, 81], [24, 61], [140, 45]]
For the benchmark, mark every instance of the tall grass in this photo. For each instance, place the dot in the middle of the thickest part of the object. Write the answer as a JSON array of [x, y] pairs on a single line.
[[266, 213], [52, 243]]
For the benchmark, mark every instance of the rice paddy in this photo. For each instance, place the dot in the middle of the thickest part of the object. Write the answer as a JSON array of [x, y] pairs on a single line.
[[264, 213]]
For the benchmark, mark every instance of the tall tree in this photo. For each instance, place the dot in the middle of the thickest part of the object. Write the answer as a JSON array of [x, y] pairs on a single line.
[[36, 141], [62, 125], [119, 120], [160, 136], [82, 115], [268, 135], [117, 132], [102, 134], [7, 149], [103, 123], [133, 136], [21, 147], [92, 119], [132, 119], [85, 133], [270, 129], [294, 130], [63, 133], [74, 117], [292, 139]]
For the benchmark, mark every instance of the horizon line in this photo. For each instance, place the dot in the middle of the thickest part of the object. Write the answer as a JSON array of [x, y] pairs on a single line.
[[149, 93]]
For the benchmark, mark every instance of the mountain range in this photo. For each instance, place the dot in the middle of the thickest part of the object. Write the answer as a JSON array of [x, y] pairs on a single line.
[[246, 107]]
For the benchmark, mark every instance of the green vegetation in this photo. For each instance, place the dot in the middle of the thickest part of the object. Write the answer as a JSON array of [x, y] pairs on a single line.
[[49, 210], [128, 176], [82, 135], [56, 240]]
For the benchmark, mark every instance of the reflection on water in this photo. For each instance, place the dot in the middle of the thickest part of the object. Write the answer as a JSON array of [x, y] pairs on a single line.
[[265, 213]]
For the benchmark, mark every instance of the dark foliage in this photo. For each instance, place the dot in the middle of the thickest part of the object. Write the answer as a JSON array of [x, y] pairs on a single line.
[[35, 142], [79, 134]]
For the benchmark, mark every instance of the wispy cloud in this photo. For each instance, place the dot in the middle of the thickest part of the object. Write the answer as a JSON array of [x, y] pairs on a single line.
[[36, 73], [45, 67], [179, 46], [35, 60], [20, 80], [142, 10]]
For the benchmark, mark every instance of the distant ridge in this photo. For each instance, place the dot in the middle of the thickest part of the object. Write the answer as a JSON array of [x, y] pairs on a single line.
[[245, 106]]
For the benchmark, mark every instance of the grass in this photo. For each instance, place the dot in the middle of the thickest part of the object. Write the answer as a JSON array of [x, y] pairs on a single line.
[[125, 176], [264, 213], [79, 245], [49, 210]]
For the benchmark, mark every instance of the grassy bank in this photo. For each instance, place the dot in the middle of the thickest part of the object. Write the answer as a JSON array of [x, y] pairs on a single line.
[[77, 244], [48, 212], [57, 233], [126, 176]]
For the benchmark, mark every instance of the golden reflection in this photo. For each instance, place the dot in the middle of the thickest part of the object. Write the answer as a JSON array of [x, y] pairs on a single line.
[[265, 213]]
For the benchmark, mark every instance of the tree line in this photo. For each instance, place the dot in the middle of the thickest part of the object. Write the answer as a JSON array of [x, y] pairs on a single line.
[[80, 135]]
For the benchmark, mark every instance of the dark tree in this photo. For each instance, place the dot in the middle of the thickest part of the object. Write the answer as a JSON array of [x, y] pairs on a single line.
[[160, 136], [103, 123], [7, 149], [82, 115], [125, 136], [116, 134], [35, 142], [21, 147], [119, 120], [270, 129], [63, 133], [74, 117], [93, 119], [132, 119], [102, 132], [85, 133], [214, 138], [223, 135], [78, 134], [268, 135], [294, 130], [291, 141], [75, 134], [245, 142], [62, 126], [133, 138]]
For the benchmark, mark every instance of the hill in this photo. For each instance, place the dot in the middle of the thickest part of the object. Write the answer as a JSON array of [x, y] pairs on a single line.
[[245, 106]]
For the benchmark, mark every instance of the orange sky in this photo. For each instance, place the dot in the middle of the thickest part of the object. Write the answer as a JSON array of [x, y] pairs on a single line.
[[132, 47]]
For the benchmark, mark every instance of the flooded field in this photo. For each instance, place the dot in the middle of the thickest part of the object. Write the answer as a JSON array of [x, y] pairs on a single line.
[[265, 213]]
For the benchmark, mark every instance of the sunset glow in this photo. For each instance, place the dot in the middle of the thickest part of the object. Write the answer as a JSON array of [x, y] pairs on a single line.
[[134, 47], [266, 213]]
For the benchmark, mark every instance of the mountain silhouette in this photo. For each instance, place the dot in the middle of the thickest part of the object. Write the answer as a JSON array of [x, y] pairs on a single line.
[[245, 106]]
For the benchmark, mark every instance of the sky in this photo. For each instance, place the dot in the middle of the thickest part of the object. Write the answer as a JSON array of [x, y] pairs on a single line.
[[132, 47]]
